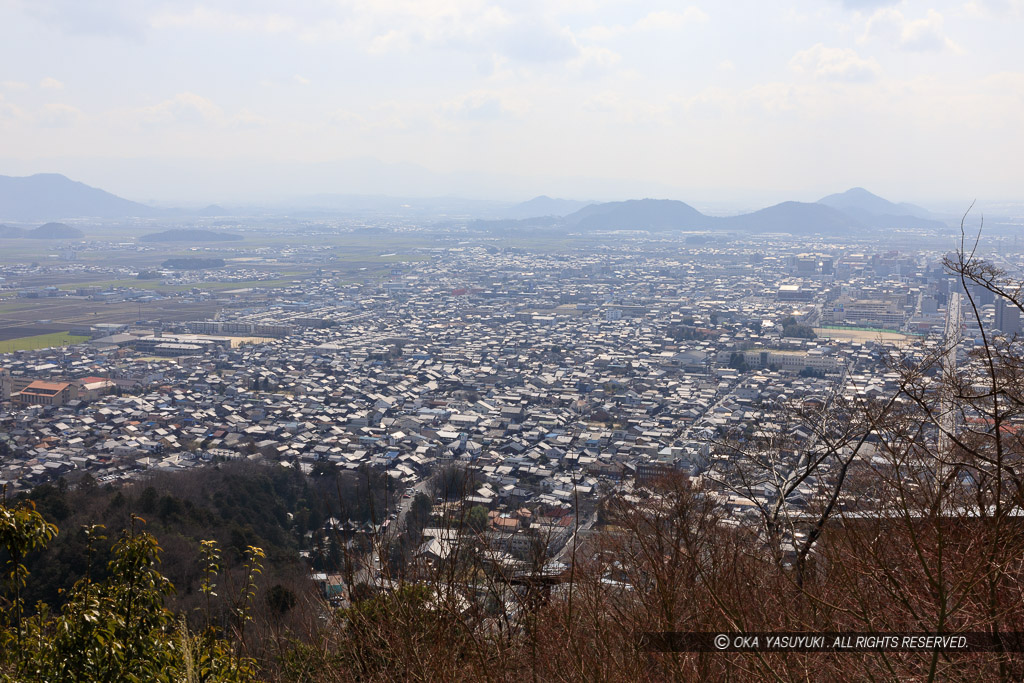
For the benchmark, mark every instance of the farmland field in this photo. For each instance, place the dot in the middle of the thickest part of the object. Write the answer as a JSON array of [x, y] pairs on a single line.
[[34, 317], [41, 341]]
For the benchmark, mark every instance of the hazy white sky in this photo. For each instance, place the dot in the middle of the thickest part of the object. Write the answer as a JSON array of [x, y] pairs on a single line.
[[588, 98]]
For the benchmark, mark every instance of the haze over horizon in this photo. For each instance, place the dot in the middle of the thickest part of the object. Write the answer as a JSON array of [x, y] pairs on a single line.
[[589, 99]]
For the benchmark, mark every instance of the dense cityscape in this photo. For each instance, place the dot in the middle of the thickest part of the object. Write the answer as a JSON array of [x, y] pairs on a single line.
[[491, 340], [558, 377]]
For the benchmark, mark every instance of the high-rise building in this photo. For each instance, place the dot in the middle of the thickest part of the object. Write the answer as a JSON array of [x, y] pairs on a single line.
[[1007, 317], [981, 295]]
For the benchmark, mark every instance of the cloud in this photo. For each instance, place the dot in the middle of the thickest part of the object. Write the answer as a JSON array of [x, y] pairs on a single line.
[[524, 38], [534, 40], [119, 18], [209, 19], [397, 26], [13, 85], [192, 110], [186, 107], [59, 115], [994, 7], [1008, 85], [667, 20], [834, 64], [593, 61], [765, 98], [494, 35], [246, 119], [661, 20], [920, 35], [11, 112], [858, 5], [301, 80], [51, 84], [628, 110], [926, 34], [484, 105], [345, 118], [385, 115]]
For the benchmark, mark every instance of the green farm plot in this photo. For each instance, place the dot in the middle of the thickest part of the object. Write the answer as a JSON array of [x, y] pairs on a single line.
[[349, 256], [105, 284], [230, 284], [41, 341]]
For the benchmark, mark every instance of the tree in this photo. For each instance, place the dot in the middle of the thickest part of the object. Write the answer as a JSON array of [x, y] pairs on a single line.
[[419, 513], [476, 519], [22, 530], [114, 629], [324, 468], [791, 328], [450, 483]]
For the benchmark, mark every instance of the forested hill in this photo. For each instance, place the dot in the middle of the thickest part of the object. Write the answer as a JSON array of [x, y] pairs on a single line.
[[238, 504]]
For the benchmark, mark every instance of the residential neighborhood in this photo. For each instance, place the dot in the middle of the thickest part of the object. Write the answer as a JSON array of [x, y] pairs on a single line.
[[558, 381]]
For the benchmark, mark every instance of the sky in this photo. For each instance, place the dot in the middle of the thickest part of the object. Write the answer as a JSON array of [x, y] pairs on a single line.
[[750, 101]]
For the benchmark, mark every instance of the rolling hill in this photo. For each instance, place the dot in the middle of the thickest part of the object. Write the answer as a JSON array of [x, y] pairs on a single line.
[[797, 218], [10, 232], [859, 200], [48, 231], [870, 209], [54, 231], [638, 214], [544, 206], [666, 214], [855, 210]]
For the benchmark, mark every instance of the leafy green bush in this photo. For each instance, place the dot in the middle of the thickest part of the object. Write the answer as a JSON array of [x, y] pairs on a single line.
[[118, 628]]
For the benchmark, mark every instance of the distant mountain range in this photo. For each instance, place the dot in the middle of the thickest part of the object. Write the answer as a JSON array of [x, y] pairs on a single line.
[[856, 209], [51, 196]]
